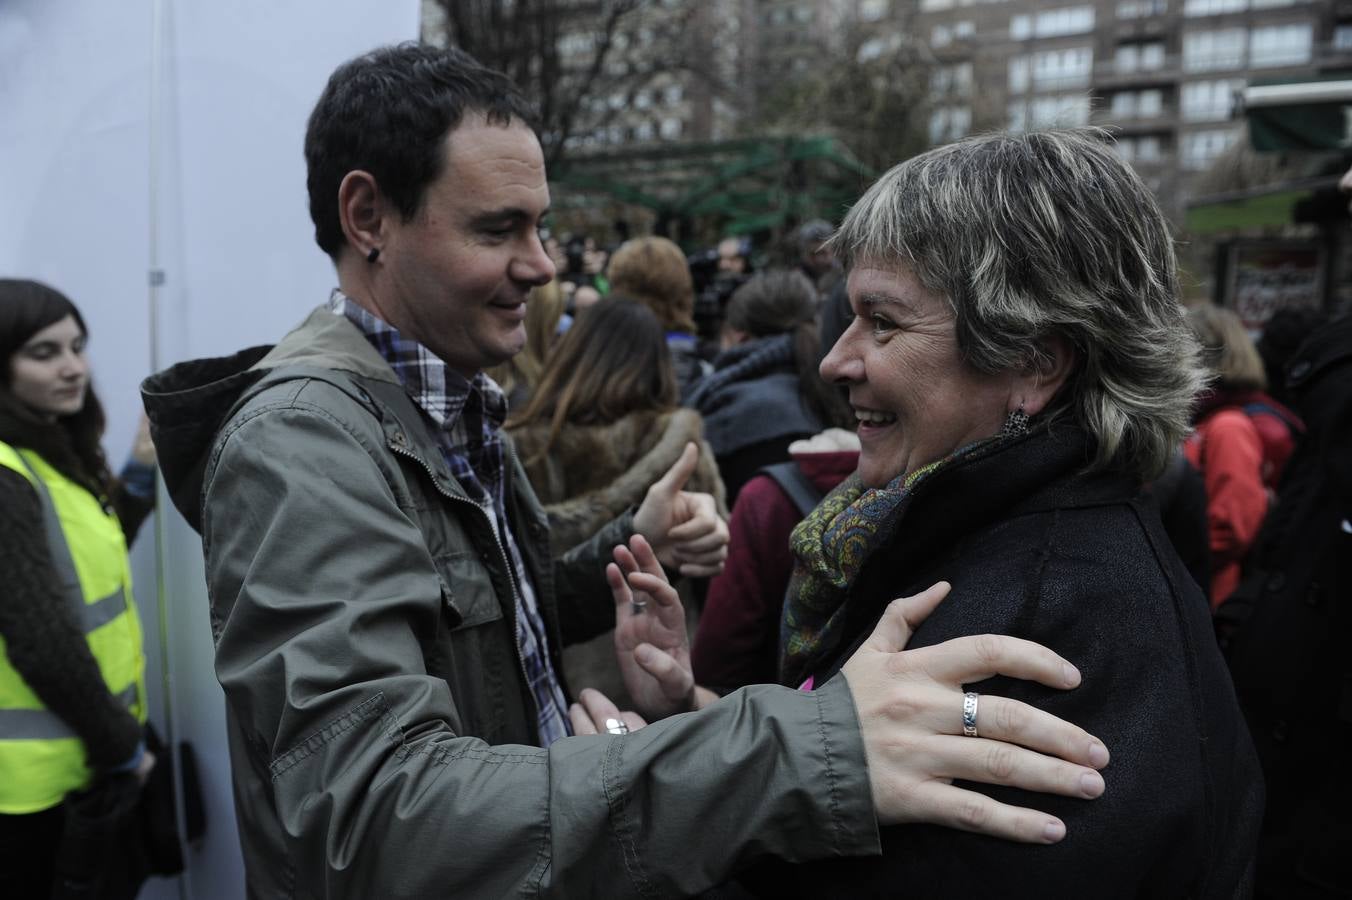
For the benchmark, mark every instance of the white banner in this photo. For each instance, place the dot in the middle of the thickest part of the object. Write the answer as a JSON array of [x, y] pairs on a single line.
[[154, 139]]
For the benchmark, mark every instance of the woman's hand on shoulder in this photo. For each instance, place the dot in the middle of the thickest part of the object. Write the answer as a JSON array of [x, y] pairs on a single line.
[[911, 709]]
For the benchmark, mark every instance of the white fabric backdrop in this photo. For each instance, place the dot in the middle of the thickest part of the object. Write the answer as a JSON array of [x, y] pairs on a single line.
[[213, 97]]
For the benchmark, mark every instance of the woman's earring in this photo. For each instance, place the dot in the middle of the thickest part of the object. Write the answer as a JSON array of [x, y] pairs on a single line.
[[373, 255], [1016, 424]]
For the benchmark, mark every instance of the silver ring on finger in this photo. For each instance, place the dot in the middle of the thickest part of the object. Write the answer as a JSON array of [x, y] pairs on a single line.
[[637, 606], [616, 726], [969, 701]]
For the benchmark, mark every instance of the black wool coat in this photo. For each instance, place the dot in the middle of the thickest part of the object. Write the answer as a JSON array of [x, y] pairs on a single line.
[[1037, 549]]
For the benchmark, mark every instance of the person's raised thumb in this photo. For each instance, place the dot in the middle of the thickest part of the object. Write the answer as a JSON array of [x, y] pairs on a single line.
[[902, 617], [673, 482]]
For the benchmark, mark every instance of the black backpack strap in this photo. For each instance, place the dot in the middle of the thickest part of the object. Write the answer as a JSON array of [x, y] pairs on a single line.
[[798, 486]]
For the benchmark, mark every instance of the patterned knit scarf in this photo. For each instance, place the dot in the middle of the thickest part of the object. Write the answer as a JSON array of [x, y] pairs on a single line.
[[830, 548]]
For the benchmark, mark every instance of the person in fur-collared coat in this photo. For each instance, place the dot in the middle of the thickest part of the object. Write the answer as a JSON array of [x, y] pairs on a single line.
[[601, 428]]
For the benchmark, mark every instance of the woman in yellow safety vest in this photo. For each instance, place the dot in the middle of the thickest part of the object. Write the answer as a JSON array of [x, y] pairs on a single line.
[[72, 686]]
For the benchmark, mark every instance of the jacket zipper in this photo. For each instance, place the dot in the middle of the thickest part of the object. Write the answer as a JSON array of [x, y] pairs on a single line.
[[502, 552]]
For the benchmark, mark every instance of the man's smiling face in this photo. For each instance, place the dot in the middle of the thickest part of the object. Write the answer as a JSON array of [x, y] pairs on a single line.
[[461, 268]]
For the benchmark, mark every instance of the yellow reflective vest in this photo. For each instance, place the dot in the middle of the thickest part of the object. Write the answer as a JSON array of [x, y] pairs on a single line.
[[41, 759]]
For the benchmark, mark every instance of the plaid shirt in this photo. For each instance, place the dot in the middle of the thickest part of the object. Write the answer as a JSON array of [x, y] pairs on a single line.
[[468, 414]]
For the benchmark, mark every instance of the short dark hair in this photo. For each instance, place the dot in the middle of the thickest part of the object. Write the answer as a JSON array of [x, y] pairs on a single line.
[[388, 113]]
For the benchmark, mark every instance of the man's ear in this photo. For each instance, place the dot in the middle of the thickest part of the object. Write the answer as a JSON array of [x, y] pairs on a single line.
[[1039, 382], [361, 212]]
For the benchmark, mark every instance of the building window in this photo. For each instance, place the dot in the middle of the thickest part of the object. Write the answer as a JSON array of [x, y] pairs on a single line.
[[576, 43], [943, 35], [1145, 148], [1148, 148], [951, 80], [671, 129], [1281, 45], [1342, 36], [1061, 69], [1049, 112], [1209, 101], [1213, 7], [1147, 56], [872, 10], [1137, 104], [1052, 23], [1201, 148], [1141, 9], [928, 5], [948, 123], [674, 94], [871, 49], [1205, 51], [1059, 112]]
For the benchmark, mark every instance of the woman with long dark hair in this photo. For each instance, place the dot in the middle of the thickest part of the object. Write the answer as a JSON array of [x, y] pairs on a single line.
[[72, 687], [602, 426]]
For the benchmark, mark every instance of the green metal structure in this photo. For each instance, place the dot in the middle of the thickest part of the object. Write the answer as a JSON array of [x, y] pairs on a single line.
[[734, 187]]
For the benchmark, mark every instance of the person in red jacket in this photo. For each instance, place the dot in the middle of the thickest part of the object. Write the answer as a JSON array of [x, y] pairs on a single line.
[[737, 642], [1241, 441]]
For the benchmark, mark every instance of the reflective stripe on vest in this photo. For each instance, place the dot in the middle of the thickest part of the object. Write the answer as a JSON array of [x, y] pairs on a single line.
[[41, 756], [56, 542], [45, 725]]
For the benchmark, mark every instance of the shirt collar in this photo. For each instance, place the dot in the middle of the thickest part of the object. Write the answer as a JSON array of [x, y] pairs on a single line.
[[439, 390]]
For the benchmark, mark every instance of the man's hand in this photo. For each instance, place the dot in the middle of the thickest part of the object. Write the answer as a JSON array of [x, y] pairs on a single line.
[[683, 528], [144, 768], [143, 448], [910, 711], [589, 715], [651, 643]]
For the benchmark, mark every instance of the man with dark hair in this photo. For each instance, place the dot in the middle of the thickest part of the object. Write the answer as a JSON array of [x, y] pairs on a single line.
[[388, 620]]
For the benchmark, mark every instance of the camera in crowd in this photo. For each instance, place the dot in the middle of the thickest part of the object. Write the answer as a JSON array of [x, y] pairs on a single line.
[[718, 272]]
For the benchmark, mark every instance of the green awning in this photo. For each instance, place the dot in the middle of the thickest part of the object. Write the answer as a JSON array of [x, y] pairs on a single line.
[[1307, 115], [745, 185]]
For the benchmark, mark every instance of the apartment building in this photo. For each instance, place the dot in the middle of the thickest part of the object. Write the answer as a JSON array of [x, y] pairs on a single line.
[[1163, 74], [665, 68]]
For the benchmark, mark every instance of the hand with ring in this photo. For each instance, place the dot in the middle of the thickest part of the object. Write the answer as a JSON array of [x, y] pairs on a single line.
[[651, 642], [595, 714], [920, 728]]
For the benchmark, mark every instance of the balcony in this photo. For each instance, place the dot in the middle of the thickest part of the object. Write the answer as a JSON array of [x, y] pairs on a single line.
[[1152, 28], [1110, 74], [1165, 120]]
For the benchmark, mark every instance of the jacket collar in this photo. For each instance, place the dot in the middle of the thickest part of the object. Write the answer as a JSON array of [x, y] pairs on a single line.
[[190, 402]]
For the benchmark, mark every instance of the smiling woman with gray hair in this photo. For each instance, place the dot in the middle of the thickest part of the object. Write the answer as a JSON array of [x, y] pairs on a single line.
[[1019, 365]]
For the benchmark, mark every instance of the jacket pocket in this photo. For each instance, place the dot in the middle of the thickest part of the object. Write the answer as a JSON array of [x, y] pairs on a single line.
[[467, 596]]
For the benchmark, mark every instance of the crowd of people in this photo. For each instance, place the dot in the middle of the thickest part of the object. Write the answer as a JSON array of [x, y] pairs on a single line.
[[542, 568]]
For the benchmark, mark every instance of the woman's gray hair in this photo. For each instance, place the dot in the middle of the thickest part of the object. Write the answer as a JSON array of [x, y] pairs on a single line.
[[1049, 233]]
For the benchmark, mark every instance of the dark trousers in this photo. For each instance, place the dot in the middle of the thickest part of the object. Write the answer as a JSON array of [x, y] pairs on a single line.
[[28, 847]]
